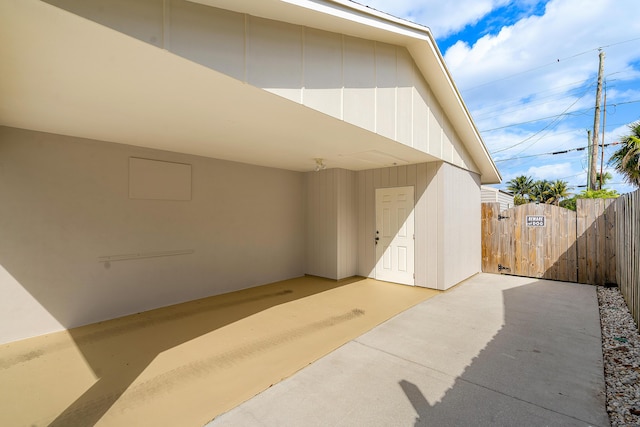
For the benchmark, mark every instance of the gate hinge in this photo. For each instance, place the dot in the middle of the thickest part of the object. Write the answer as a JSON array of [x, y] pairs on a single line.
[[502, 217], [502, 267]]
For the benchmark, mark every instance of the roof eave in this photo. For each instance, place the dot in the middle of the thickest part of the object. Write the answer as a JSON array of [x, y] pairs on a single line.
[[351, 18]]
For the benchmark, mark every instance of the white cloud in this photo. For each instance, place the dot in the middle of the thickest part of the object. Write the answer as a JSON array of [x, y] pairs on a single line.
[[550, 172], [442, 17], [541, 66], [542, 52]]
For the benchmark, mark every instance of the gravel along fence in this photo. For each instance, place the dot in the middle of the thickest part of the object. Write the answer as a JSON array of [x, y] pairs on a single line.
[[621, 351]]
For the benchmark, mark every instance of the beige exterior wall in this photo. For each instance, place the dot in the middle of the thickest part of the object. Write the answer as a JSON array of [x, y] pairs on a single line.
[[460, 230], [332, 229], [447, 226], [347, 224], [67, 208], [65, 204], [373, 85], [423, 177]]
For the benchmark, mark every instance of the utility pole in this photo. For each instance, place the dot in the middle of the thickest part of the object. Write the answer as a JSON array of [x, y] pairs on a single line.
[[589, 157], [596, 126], [604, 126]]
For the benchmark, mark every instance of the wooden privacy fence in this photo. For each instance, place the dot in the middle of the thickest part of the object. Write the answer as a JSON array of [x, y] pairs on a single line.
[[551, 242], [628, 250]]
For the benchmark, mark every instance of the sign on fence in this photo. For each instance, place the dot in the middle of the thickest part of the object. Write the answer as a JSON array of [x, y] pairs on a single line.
[[536, 220]]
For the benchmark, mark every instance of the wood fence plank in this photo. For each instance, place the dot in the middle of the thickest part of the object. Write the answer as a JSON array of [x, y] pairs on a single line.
[[592, 246], [505, 247], [531, 245], [550, 249], [600, 272], [610, 249], [484, 244], [581, 240], [561, 250], [518, 254], [499, 232]]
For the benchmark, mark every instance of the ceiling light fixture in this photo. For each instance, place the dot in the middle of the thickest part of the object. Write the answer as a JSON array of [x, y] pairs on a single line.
[[320, 165]]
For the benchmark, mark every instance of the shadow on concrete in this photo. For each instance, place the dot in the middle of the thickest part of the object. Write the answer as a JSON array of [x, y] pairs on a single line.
[[543, 367]]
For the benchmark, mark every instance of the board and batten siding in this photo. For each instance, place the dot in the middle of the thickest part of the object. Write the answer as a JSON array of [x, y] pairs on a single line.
[[421, 177], [447, 229], [460, 237], [447, 221], [369, 84], [331, 223], [76, 248]]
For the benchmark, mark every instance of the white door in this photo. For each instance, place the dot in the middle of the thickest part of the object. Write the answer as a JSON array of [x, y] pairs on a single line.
[[394, 237]]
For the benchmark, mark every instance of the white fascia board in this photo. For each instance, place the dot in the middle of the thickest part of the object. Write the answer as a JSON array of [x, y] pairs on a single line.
[[356, 12]]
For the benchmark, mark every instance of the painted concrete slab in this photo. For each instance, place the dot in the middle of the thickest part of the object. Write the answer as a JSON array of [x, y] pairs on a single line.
[[183, 365], [496, 350]]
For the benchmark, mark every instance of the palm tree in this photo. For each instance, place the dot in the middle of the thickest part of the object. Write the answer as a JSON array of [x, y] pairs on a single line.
[[605, 177], [541, 191], [558, 190], [520, 186], [626, 159]]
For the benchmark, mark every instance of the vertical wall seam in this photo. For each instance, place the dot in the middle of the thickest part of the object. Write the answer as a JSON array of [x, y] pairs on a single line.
[[395, 106], [302, 57], [413, 103], [245, 53], [166, 23], [342, 48], [375, 92]]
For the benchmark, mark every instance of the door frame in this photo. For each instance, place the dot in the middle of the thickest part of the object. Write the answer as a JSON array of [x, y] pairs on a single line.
[[409, 278]]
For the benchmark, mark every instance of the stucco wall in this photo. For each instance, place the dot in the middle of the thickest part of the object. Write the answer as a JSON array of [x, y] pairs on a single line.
[[373, 85], [65, 203]]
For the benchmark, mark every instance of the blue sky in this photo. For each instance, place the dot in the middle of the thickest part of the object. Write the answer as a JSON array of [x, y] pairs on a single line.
[[527, 70]]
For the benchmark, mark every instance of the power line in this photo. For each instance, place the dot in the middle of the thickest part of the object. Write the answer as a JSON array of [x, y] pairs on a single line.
[[608, 183], [517, 101], [498, 109], [570, 113], [516, 106], [549, 64], [552, 153], [554, 121]]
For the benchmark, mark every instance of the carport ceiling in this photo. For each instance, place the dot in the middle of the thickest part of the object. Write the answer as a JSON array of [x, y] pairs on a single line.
[[64, 74]]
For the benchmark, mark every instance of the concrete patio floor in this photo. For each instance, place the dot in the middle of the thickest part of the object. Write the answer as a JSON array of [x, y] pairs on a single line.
[[493, 351], [183, 365]]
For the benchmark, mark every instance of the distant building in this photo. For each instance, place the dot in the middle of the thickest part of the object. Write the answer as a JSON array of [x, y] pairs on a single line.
[[493, 195]]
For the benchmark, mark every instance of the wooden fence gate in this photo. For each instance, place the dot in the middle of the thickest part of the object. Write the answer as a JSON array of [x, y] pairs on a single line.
[[546, 241]]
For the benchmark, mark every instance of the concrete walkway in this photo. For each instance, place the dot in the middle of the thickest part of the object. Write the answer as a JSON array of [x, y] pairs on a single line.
[[494, 351]]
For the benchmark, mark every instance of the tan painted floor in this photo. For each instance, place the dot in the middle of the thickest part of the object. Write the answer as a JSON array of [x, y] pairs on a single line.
[[185, 364]]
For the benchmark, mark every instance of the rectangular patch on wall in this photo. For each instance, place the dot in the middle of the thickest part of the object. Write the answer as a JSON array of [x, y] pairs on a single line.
[[159, 180]]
